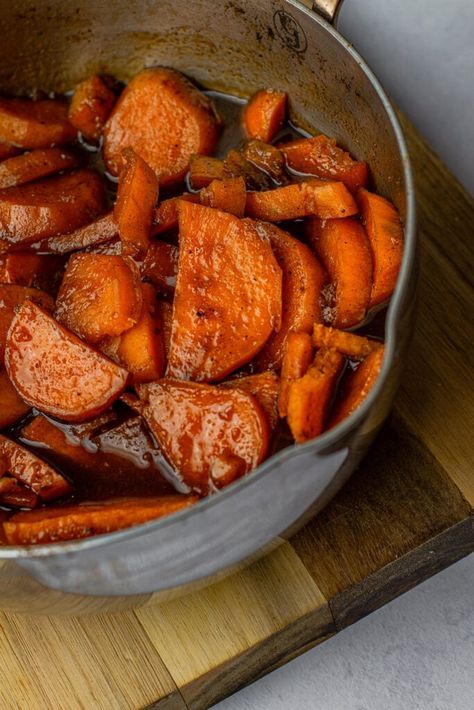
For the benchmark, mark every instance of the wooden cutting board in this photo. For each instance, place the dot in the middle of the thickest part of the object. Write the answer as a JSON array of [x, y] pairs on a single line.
[[406, 514]]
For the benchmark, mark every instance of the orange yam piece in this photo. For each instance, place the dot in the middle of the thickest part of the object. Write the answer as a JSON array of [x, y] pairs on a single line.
[[12, 407], [350, 344], [304, 199], [228, 294], [237, 165], [167, 213], [265, 387], [205, 432], [14, 495], [136, 198], [203, 169], [97, 232], [356, 385], [161, 265], [303, 280], [322, 157], [266, 157], [384, 230], [12, 296], [100, 296], [165, 119], [309, 397], [27, 468], [43, 209], [7, 150], [165, 315], [25, 268], [296, 360], [61, 523], [226, 195], [34, 165], [90, 107], [35, 124], [55, 371], [264, 114], [343, 249]]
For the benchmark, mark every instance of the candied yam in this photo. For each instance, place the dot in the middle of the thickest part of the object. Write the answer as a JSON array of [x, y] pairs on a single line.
[[303, 279], [61, 523], [166, 214], [12, 296], [100, 296], [165, 315], [237, 165], [165, 119], [31, 471], [350, 344], [384, 230], [161, 265], [14, 495], [35, 124], [264, 114], [266, 157], [12, 407], [296, 360], [196, 424], [309, 397], [356, 385], [23, 268], [100, 231], [55, 371], [7, 150], [321, 156], [227, 195], [34, 165], [55, 205], [228, 294], [265, 387], [304, 199], [90, 107], [136, 197], [203, 170], [343, 249]]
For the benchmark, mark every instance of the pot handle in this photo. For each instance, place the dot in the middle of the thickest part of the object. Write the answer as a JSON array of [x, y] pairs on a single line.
[[329, 9]]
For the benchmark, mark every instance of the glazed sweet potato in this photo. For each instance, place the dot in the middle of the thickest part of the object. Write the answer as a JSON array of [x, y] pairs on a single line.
[[61, 523], [165, 119], [304, 199], [227, 195], [101, 230], [12, 296], [90, 107], [384, 230], [55, 371], [27, 468], [356, 385], [136, 198], [343, 249], [7, 150], [35, 124], [310, 396], [228, 294], [164, 311], [237, 165], [203, 169], [303, 280], [264, 114], [12, 407], [100, 296], [322, 157], [23, 268], [161, 265], [205, 432], [266, 157], [34, 165], [265, 387], [56, 205], [166, 214], [350, 344], [14, 495], [296, 360]]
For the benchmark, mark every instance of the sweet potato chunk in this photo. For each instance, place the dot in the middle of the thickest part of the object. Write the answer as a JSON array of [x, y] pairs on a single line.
[[356, 385], [35, 124], [385, 233], [343, 249], [228, 294], [310, 198], [165, 119], [266, 157], [136, 197], [97, 232], [56, 205], [322, 157], [227, 195], [12, 296], [202, 429], [90, 107], [296, 360], [34, 165], [161, 265], [310, 396], [265, 387], [237, 164], [12, 407], [165, 315], [100, 296], [56, 372], [203, 170], [264, 114], [23, 268], [166, 214], [61, 523], [14, 495], [7, 150], [27, 468], [303, 279], [350, 344]]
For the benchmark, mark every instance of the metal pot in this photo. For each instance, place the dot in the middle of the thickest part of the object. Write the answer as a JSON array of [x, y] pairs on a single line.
[[234, 46]]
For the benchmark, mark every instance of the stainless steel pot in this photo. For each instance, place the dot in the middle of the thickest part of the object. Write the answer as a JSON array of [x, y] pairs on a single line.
[[234, 46]]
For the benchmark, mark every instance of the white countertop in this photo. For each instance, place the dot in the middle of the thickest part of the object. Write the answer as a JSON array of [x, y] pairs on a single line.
[[416, 653]]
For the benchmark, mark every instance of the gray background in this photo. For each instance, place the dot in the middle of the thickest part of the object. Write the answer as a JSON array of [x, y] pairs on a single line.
[[417, 653]]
